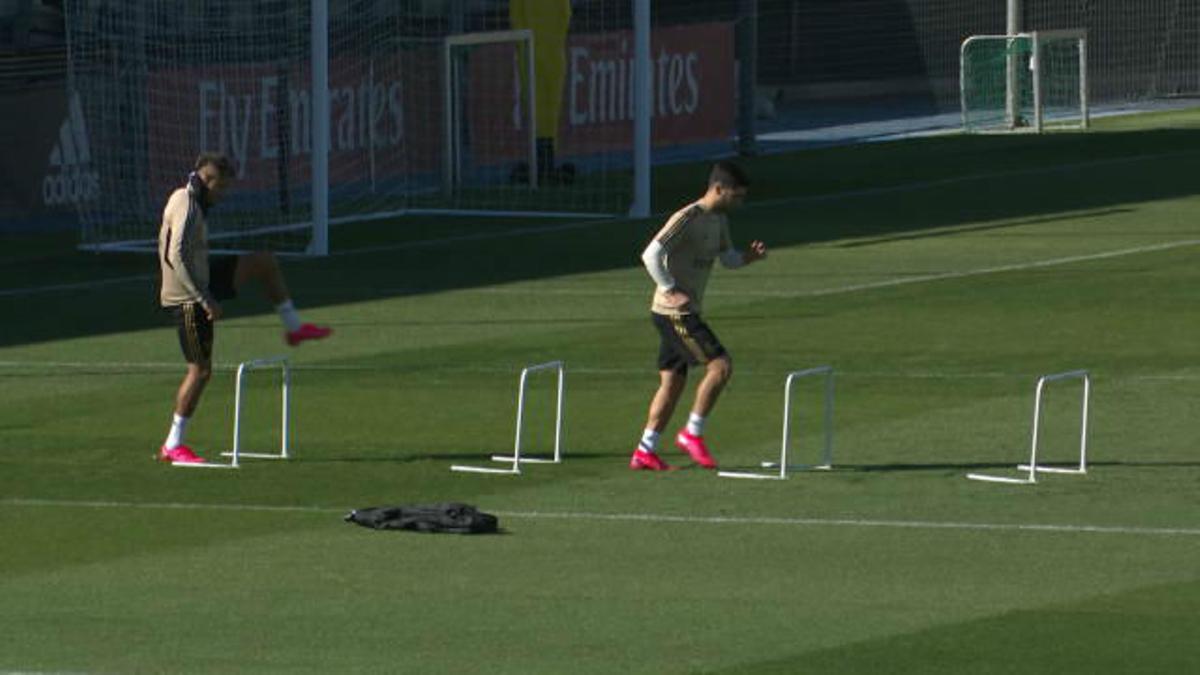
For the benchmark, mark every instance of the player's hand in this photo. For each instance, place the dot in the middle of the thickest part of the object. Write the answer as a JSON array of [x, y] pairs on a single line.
[[676, 299], [756, 252], [213, 310]]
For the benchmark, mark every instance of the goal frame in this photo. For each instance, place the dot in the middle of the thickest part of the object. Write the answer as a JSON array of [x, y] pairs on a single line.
[[319, 219], [1037, 40], [452, 110]]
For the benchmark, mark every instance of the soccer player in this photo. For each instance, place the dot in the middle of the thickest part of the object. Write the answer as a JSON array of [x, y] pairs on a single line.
[[193, 286], [679, 259]]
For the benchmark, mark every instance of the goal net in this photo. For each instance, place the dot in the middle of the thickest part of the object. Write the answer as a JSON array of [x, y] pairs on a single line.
[[1028, 82], [432, 107]]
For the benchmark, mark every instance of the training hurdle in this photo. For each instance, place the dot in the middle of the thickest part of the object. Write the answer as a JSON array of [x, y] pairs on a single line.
[[235, 455], [827, 423], [516, 458], [1033, 467]]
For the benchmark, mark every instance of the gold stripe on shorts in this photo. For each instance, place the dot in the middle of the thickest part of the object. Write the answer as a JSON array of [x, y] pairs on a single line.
[[688, 341], [195, 350]]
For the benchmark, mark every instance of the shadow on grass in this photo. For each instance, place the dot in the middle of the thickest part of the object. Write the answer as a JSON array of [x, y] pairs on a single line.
[[1142, 630], [949, 231], [904, 190]]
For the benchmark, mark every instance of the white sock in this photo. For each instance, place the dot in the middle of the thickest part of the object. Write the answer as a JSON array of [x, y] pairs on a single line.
[[649, 441], [175, 436], [695, 425], [287, 312]]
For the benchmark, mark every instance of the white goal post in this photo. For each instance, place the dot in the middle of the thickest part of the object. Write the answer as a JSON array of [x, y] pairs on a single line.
[[1024, 82], [337, 112], [452, 109]]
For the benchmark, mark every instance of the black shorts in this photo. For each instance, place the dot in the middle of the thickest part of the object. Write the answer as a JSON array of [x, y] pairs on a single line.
[[685, 341], [195, 331], [191, 321]]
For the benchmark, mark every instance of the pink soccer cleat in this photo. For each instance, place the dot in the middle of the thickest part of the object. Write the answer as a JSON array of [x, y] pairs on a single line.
[[180, 453], [647, 461], [307, 331], [694, 446]]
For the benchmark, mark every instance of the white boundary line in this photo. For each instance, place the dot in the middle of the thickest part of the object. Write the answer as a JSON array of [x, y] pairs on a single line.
[[43, 672], [33, 290], [871, 285], [820, 292], [156, 367], [654, 518], [856, 522], [1015, 267]]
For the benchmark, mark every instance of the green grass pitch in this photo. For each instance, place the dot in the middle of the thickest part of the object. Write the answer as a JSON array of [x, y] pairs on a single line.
[[940, 277]]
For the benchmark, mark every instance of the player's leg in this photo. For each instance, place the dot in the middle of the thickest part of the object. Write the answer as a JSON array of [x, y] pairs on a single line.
[[716, 375], [196, 340], [263, 268], [670, 389], [662, 405], [705, 349], [672, 378], [187, 399]]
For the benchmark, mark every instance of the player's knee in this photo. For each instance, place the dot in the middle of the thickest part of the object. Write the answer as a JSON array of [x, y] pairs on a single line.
[[673, 381], [201, 371], [721, 368]]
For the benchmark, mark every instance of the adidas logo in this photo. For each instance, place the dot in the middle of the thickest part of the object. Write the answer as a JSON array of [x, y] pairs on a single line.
[[70, 178]]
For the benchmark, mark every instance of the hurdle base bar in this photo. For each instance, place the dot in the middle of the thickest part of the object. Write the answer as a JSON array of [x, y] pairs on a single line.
[[799, 467], [751, 475], [1077, 471], [516, 470], [1002, 479], [232, 464], [205, 465], [782, 475], [527, 460]]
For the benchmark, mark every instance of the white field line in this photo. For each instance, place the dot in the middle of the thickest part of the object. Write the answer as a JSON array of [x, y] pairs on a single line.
[[1015, 267], [173, 367], [653, 518], [34, 290], [819, 292], [43, 672], [870, 285], [782, 201]]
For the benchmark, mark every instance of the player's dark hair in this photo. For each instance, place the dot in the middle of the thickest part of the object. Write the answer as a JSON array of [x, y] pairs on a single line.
[[215, 159], [727, 174]]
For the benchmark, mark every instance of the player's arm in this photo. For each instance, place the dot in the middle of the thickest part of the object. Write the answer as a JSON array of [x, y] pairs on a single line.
[[654, 258], [732, 258], [180, 218]]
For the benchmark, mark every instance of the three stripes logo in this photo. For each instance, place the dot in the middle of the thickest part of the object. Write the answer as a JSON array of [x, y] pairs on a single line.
[[71, 178]]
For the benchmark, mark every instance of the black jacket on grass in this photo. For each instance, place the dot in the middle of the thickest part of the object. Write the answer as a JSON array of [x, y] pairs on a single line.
[[453, 517]]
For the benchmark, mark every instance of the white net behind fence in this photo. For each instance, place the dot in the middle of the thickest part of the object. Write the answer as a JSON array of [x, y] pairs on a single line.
[[158, 81]]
